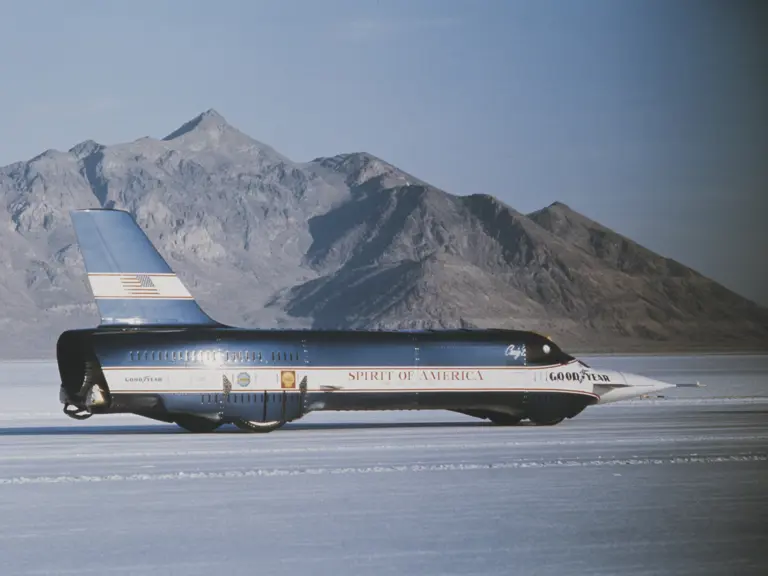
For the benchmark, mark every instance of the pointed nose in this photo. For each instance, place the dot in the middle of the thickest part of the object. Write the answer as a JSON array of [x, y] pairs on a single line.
[[634, 386], [645, 385]]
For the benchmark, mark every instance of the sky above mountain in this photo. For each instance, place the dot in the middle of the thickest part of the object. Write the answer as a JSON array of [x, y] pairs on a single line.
[[650, 116]]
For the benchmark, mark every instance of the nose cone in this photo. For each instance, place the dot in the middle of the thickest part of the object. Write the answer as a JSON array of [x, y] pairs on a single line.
[[634, 387], [648, 385], [645, 385]]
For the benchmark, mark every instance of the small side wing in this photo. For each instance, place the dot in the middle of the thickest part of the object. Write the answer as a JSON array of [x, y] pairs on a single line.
[[131, 282]]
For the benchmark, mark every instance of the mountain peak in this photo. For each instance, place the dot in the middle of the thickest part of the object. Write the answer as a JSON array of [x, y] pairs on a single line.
[[560, 205], [362, 167], [85, 148], [209, 122], [561, 212], [212, 113]]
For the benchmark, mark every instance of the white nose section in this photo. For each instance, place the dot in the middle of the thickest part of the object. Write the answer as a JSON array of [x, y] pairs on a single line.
[[646, 384], [635, 386]]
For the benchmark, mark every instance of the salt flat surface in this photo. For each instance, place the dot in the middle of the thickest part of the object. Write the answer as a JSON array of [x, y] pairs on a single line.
[[668, 486]]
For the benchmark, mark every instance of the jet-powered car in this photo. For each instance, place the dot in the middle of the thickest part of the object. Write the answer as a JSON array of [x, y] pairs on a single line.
[[156, 354]]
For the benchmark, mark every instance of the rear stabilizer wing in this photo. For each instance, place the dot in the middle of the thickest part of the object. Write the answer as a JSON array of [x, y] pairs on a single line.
[[131, 282]]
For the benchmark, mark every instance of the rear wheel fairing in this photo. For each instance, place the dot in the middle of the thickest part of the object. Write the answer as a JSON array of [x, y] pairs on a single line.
[[196, 424], [248, 406], [259, 427], [263, 406]]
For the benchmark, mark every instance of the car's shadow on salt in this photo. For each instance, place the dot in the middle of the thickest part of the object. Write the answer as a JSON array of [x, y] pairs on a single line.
[[89, 430], [172, 429]]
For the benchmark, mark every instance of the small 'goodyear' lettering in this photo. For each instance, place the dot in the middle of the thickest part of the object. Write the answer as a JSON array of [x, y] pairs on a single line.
[[594, 377], [578, 377], [143, 379]]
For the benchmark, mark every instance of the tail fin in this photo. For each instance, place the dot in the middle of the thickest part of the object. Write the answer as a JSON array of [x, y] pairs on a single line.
[[130, 280]]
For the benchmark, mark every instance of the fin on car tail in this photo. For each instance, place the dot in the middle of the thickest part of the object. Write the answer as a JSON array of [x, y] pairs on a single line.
[[131, 282]]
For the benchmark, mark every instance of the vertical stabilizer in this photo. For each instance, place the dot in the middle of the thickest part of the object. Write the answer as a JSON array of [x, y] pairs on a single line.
[[130, 280]]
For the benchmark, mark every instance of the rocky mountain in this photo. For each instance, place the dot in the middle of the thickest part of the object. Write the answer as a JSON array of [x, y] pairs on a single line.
[[344, 241]]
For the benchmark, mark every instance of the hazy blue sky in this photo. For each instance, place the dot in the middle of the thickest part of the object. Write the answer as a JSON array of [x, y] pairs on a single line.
[[648, 116]]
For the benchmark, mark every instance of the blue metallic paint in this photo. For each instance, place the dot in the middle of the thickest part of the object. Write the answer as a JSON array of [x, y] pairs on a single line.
[[242, 348], [111, 241], [161, 312]]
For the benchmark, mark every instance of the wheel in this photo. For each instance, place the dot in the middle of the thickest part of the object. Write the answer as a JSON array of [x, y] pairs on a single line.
[[500, 419], [547, 421], [197, 424], [497, 418], [261, 427]]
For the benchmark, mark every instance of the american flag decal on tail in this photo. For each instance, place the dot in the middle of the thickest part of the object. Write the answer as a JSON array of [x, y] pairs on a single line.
[[139, 285]]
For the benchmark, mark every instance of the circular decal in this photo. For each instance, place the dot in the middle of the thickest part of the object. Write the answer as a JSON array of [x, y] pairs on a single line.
[[243, 379]]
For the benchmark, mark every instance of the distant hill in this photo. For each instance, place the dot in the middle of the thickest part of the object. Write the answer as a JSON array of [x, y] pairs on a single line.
[[345, 241]]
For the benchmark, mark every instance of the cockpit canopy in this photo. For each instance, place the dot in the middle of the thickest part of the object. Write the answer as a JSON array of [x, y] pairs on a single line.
[[541, 351]]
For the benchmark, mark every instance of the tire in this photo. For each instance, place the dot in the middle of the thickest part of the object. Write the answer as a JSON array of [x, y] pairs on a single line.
[[259, 427], [547, 421], [497, 418], [197, 424], [500, 419]]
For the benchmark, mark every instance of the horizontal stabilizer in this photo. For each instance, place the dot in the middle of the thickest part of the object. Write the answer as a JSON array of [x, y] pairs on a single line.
[[130, 280]]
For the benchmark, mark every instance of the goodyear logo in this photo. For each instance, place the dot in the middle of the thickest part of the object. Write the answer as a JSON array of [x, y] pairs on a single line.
[[243, 379], [288, 379], [143, 379], [579, 376]]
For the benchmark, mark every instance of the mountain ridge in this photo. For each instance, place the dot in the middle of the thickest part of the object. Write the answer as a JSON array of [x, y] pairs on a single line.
[[344, 241]]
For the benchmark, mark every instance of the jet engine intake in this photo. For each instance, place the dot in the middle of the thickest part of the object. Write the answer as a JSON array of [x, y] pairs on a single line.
[[84, 390]]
